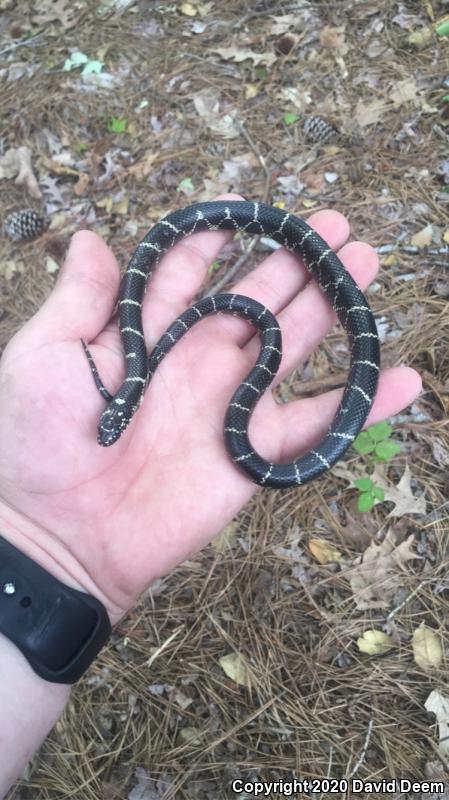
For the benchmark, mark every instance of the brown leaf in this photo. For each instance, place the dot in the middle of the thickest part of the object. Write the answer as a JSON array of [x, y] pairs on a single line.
[[142, 168], [63, 11], [404, 91], [242, 54], [17, 162], [369, 113], [81, 184], [401, 495], [334, 39], [374, 577]]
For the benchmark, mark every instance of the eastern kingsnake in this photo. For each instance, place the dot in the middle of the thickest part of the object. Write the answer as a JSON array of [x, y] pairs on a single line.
[[348, 302]]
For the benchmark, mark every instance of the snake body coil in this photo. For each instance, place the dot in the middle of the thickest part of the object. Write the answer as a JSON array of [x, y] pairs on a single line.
[[347, 300]]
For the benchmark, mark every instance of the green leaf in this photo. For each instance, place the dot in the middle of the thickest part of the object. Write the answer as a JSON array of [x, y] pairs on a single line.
[[363, 443], [386, 450], [443, 29], [290, 118], [378, 493], [92, 67], [186, 184], [445, 99], [116, 125], [380, 431], [79, 58], [261, 73], [365, 502], [214, 267], [364, 484]]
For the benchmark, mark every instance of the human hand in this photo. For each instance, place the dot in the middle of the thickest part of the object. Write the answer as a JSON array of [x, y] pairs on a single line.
[[111, 520]]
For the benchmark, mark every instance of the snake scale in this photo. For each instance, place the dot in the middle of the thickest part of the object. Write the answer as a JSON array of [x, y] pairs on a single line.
[[334, 281]]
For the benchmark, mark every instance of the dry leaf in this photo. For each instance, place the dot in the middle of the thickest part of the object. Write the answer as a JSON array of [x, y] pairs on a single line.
[[374, 642], [420, 38], [64, 11], [190, 736], [17, 162], [122, 206], [438, 704], [242, 54], [10, 267], [225, 538], [446, 236], [188, 9], [51, 266], [251, 90], [323, 551], [334, 39], [207, 105], [404, 91], [427, 650], [181, 699], [144, 167], [283, 23], [60, 169], [106, 203], [369, 113], [81, 184], [401, 495], [423, 238], [235, 667], [374, 576]]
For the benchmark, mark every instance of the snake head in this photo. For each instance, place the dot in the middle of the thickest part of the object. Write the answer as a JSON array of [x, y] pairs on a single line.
[[113, 422]]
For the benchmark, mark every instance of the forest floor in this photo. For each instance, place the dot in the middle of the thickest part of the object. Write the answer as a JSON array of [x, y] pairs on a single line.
[[127, 110]]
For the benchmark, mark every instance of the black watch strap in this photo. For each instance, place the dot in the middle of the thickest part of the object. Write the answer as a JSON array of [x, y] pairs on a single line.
[[59, 630]]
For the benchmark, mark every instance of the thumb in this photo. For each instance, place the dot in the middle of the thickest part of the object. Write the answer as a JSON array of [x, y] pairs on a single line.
[[84, 297]]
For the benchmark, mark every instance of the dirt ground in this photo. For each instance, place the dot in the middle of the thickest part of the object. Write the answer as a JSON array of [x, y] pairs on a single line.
[[128, 110]]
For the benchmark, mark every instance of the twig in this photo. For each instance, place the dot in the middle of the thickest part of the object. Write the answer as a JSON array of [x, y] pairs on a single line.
[[404, 602], [21, 43], [364, 749], [233, 270], [329, 767], [312, 387], [260, 159]]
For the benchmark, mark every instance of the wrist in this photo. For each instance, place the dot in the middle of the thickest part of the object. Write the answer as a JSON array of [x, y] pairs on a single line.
[[52, 554], [30, 707]]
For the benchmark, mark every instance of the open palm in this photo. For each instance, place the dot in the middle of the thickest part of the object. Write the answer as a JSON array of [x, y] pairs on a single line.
[[113, 519]]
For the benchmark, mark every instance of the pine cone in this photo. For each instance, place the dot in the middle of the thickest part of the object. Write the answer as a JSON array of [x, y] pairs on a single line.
[[24, 225], [320, 131]]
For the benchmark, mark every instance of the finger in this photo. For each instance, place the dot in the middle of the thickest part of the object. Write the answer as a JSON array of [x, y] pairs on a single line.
[[307, 319], [179, 276], [84, 296], [279, 278], [305, 422]]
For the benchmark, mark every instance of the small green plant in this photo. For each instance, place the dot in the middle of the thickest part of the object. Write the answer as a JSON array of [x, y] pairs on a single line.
[[186, 186], [369, 493], [376, 446], [81, 148], [290, 118], [80, 60], [443, 29], [117, 125]]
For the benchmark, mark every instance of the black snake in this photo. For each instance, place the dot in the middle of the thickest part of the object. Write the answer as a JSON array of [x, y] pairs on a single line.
[[348, 302]]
